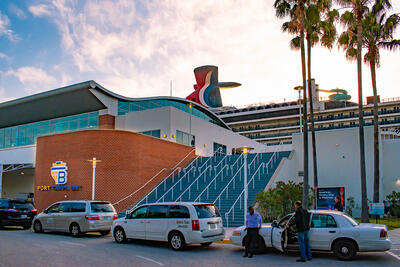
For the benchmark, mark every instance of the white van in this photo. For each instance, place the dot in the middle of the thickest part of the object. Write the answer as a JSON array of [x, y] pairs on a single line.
[[178, 223]]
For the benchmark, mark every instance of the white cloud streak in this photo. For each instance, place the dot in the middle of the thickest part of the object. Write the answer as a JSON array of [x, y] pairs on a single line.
[[34, 79], [5, 28]]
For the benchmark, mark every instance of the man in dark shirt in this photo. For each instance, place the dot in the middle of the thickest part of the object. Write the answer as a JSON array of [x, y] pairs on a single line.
[[338, 205], [302, 222]]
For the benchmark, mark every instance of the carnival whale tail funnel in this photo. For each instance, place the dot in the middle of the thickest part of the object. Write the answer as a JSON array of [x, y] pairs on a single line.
[[207, 89]]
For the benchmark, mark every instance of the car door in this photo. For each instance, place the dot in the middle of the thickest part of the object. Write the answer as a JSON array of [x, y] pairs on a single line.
[[157, 222], [62, 220], [136, 223], [323, 231], [48, 219], [278, 233]]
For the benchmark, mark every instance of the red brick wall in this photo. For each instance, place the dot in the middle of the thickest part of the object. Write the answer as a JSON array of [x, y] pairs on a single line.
[[106, 122], [128, 161]]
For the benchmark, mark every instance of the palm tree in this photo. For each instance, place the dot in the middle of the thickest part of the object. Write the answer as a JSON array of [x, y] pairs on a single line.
[[353, 20], [317, 30], [283, 9], [377, 33]]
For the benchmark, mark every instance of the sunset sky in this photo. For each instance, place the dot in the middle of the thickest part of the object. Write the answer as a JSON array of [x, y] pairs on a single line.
[[135, 48]]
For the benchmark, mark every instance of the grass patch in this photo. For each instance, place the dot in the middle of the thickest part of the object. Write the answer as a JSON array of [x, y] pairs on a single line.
[[391, 223]]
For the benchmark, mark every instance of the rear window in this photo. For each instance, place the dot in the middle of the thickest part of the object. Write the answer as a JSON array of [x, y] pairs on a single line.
[[101, 207], [21, 206], [3, 204], [178, 212], [206, 211], [350, 219]]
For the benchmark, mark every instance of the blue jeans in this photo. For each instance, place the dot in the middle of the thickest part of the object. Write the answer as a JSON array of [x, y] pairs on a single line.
[[304, 245]]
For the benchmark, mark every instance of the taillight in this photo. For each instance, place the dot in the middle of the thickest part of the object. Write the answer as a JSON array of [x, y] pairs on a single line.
[[92, 217], [383, 234], [115, 216], [195, 225], [34, 210], [11, 210]]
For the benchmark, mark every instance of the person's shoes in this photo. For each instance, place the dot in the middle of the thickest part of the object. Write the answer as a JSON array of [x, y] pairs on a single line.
[[300, 260], [251, 255], [309, 259], [245, 255]]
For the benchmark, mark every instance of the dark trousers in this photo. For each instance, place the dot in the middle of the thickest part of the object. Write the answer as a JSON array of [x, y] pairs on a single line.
[[304, 245], [251, 240]]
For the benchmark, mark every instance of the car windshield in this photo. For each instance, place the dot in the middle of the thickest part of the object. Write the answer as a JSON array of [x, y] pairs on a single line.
[[350, 219], [206, 211], [101, 207], [3, 203], [21, 206]]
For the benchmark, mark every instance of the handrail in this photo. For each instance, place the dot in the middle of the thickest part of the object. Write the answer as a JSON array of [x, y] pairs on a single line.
[[223, 190], [236, 160], [188, 188], [172, 187], [209, 184], [257, 154], [215, 152], [198, 177], [152, 178]]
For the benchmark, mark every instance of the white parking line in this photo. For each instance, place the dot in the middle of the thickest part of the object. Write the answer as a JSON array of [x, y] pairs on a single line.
[[72, 243], [145, 258], [393, 255]]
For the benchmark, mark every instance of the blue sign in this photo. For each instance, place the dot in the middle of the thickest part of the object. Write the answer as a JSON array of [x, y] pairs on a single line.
[[326, 197], [376, 208]]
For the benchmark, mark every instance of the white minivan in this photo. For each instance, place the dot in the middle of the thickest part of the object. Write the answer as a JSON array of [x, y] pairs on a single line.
[[178, 223]]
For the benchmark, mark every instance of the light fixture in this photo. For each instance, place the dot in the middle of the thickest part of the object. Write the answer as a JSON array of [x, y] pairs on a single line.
[[398, 181], [173, 136], [22, 173], [164, 135], [205, 145]]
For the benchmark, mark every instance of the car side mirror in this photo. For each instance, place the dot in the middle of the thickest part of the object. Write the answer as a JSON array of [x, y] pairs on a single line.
[[274, 224], [45, 211]]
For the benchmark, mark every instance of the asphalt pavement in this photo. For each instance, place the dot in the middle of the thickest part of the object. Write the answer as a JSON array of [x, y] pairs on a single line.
[[24, 248]]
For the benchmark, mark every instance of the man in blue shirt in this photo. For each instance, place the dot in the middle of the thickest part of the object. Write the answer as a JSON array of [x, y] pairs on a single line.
[[253, 225]]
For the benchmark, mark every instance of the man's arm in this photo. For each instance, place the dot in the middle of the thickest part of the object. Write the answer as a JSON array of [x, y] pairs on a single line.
[[259, 221]]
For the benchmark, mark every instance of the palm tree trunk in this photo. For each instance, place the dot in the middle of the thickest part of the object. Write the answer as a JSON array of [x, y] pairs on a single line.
[[364, 200], [376, 130], [305, 127], [310, 95]]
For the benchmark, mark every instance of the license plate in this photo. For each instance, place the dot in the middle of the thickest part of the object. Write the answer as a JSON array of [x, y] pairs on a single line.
[[107, 218], [213, 226], [24, 216]]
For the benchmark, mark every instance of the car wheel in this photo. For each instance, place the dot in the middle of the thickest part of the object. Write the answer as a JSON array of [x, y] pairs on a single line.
[[104, 233], [37, 227], [119, 235], [206, 244], [75, 230], [177, 241], [345, 250]]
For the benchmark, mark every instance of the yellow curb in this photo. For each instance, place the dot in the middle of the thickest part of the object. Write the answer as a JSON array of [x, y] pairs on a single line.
[[224, 241]]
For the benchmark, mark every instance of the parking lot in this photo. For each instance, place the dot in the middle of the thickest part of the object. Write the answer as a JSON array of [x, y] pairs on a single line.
[[24, 248]]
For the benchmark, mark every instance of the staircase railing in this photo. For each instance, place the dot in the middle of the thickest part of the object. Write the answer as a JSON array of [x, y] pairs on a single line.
[[208, 186], [176, 167], [241, 194], [197, 179]]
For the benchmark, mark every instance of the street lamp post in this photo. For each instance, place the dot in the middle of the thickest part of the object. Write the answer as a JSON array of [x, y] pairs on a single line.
[[94, 162], [245, 183], [299, 88]]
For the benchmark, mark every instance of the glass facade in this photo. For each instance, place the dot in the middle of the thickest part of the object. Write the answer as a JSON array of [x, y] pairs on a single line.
[[154, 133], [185, 138], [126, 107], [26, 134]]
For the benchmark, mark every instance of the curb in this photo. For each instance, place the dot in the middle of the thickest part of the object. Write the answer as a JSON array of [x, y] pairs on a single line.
[[224, 241]]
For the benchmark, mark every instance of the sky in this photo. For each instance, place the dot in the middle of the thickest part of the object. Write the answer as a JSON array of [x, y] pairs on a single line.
[[136, 47]]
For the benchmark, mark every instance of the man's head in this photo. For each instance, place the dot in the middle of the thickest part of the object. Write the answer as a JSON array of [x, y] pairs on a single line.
[[337, 199], [297, 204], [251, 210]]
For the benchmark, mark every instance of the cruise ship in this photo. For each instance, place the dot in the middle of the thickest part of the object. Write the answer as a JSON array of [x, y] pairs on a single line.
[[274, 123]]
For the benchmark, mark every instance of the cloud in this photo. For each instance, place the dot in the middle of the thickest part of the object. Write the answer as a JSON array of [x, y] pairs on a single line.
[[5, 28], [33, 79], [4, 56], [12, 8], [136, 47]]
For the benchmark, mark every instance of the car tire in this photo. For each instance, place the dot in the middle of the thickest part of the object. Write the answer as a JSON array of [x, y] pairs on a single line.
[[345, 250], [206, 244], [104, 233], [177, 241], [75, 230], [119, 235], [37, 227]]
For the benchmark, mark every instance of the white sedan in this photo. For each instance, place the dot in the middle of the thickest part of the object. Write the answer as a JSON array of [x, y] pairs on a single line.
[[330, 231]]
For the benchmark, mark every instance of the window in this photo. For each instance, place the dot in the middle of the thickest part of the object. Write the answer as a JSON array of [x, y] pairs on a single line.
[[72, 207], [21, 206], [350, 219], [206, 211], [284, 221], [154, 133], [139, 213], [178, 212], [3, 204], [54, 208], [157, 211], [101, 207], [323, 221], [219, 149], [185, 138]]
